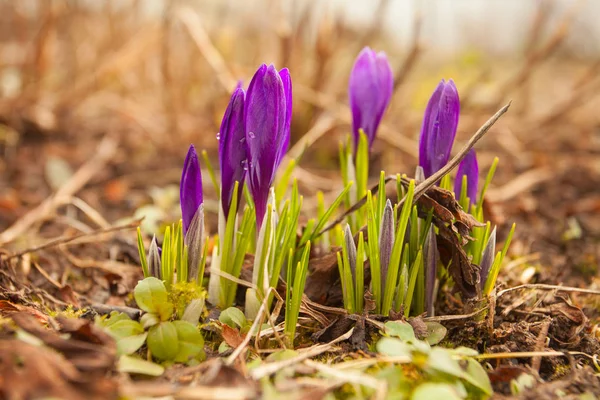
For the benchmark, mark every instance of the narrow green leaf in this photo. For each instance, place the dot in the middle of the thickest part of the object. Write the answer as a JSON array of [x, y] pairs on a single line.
[[142, 252], [211, 173]]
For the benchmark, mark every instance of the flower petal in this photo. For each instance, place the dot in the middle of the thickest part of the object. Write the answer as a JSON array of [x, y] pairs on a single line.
[[469, 167], [369, 92], [265, 116], [232, 148], [190, 188]]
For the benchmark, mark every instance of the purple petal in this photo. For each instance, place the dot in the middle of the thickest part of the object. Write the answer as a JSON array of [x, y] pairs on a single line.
[[232, 149], [442, 128], [265, 116], [369, 91], [190, 188], [286, 79], [468, 166], [430, 116]]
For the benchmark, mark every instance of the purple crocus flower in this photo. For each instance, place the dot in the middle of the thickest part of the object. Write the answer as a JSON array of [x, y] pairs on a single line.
[[267, 114], [232, 149], [190, 189], [439, 127], [369, 91], [468, 167]]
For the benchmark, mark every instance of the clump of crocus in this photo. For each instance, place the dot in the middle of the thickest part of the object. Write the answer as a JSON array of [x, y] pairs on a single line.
[[468, 167], [232, 149], [267, 116], [439, 128], [369, 91], [192, 210]]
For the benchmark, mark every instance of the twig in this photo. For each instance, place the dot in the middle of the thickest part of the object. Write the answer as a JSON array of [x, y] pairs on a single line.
[[454, 317], [529, 354], [133, 313], [68, 239], [106, 150], [541, 286], [254, 328], [271, 368], [539, 346]]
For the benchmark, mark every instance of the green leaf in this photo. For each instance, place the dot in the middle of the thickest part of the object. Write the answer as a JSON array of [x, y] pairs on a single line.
[[429, 390], [112, 319], [131, 344], [394, 347], [142, 252], [134, 365], [193, 311], [233, 317], [191, 342], [282, 355], [440, 360], [162, 341], [400, 329], [129, 335], [435, 332], [149, 320], [151, 296], [476, 376]]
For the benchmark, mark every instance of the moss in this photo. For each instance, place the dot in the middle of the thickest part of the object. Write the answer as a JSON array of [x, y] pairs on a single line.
[[182, 293], [68, 312]]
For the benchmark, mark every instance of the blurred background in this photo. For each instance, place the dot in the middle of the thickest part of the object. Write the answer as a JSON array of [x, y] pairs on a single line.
[[99, 101]]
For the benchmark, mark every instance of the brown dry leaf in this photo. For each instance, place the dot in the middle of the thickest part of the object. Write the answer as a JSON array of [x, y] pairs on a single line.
[[31, 372], [88, 348], [7, 309], [232, 337], [464, 274], [68, 295]]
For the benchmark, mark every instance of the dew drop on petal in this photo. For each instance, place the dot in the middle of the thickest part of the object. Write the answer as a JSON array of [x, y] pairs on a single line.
[[251, 135], [218, 135], [242, 140]]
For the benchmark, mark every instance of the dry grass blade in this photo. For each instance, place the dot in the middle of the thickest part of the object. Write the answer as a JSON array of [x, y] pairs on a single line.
[[271, 368], [70, 239], [106, 150]]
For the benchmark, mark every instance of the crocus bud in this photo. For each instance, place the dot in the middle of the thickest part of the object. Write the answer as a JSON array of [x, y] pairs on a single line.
[[487, 258], [190, 188], [351, 247], [369, 91], [468, 167], [232, 149], [439, 128], [194, 239], [430, 258], [267, 113], [386, 240], [154, 259]]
